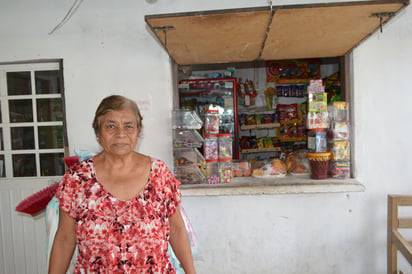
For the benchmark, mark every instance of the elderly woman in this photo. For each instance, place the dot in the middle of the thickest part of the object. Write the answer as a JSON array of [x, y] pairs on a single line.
[[120, 207]]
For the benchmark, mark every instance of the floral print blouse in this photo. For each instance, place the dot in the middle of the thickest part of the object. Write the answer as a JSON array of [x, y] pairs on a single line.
[[120, 236]]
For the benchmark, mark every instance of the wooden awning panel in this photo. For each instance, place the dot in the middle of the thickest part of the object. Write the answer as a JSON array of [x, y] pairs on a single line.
[[213, 38], [322, 31], [265, 33]]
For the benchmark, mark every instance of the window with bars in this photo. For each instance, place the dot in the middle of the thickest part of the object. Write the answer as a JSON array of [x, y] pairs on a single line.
[[32, 132]]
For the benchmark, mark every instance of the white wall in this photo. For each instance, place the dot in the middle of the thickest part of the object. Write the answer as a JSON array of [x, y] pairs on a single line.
[[106, 48]]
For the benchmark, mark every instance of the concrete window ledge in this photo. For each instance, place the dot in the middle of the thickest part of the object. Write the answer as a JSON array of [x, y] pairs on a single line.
[[261, 186]]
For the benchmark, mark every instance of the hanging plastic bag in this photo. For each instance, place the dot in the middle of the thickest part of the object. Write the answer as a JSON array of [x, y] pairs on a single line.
[[192, 239]]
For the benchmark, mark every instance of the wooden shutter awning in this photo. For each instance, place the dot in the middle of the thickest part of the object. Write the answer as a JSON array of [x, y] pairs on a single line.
[[270, 33]]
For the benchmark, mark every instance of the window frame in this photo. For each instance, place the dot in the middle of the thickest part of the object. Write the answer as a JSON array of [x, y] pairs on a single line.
[[289, 184], [6, 126]]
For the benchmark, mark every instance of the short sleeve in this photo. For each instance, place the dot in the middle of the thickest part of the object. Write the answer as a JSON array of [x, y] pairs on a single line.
[[175, 197], [171, 189], [66, 194]]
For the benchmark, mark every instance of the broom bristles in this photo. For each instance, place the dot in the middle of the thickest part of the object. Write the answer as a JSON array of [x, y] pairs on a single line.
[[37, 201], [71, 160]]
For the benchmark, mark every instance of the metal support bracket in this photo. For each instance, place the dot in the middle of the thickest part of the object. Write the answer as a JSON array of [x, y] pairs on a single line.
[[380, 15], [164, 29]]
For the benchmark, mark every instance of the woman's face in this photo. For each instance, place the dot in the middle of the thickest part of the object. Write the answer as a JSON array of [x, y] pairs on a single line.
[[118, 132]]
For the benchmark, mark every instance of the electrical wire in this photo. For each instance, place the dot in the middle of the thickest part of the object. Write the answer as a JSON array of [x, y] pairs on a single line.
[[69, 14]]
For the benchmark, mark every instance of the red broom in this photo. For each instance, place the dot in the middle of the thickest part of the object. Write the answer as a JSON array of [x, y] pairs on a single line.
[[39, 200], [71, 160]]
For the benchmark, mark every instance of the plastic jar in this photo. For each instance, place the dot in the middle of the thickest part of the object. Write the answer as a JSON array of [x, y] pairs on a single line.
[[317, 140], [211, 121], [212, 171], [225, 146], [210, 148], [225, 170]]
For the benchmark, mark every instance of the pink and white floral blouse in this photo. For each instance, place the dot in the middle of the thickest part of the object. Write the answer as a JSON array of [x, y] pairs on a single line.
[[117, 236]]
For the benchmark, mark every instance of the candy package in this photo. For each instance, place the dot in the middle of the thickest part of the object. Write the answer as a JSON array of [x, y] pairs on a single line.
[[316, 120], [340, 150], [241, 168], [339, 169], [288, 130], [318, 102], [339, 111], [338, 131]]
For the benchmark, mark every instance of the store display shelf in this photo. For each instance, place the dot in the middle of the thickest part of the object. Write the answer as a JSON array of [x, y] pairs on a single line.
[[269, 125], [294, 139], [260, 150], [293, 81], [272, 186], [206, 92], [295, 121]]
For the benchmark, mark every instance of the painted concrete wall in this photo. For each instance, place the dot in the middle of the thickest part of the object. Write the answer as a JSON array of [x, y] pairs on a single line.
[[107, 49]]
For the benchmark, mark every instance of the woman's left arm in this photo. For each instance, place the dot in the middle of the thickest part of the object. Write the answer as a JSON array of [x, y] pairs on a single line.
[[180, 242]]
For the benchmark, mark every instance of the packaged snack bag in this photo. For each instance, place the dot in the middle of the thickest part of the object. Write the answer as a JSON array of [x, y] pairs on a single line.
[[297, 163], [340, 150], [318, 102], [339, 131], [288, 112], [339, 169], [269, 168]]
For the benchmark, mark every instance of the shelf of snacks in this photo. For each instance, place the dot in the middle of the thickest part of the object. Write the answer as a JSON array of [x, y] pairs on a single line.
[[260, 126], [293, 121], [293, 81], [294, 139], [258, 119], [259, 150]]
